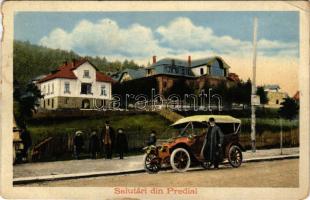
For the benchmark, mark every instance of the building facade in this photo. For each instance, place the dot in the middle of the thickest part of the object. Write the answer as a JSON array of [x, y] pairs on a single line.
[[274, 95], [168, 71], [78, 85]]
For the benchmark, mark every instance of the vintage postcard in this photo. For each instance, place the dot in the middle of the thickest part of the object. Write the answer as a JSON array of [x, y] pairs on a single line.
[[155, 100]]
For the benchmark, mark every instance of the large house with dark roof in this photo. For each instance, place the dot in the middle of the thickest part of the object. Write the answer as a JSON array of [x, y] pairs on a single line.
[[78, 84], [168, 71]]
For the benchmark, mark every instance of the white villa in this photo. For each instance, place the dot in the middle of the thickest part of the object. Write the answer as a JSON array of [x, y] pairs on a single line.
[[75, 85]]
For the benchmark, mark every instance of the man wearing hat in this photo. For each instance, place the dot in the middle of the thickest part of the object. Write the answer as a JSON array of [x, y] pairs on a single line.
[[78, 144], [213, 144], [108, 139]]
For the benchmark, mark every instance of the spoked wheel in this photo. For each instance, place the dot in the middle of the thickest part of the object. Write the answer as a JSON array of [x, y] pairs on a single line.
[[206, 164], [180, 160], [235, 156], [151, 163]]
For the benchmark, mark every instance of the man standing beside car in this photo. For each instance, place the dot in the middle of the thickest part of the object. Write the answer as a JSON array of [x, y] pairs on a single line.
[[213, 143]]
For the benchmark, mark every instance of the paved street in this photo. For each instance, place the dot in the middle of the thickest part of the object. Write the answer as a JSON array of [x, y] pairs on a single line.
[[129, 163], [282, 173]]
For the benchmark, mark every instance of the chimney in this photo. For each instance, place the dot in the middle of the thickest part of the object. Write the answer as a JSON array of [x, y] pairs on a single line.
[[154, 59], [189, 61]]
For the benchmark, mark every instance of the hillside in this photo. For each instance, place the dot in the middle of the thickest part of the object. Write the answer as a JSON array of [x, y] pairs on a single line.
[[31, 60]]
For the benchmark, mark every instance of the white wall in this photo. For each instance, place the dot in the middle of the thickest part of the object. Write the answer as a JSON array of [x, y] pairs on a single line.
[[196, 70], [75, 85]]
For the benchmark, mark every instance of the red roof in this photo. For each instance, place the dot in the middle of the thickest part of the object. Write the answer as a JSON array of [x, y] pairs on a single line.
[[233, 77], [102, 77], [296, 96], [66, 71]]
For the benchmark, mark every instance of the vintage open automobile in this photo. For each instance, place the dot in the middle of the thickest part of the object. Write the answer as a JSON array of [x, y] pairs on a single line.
[[186, 149]]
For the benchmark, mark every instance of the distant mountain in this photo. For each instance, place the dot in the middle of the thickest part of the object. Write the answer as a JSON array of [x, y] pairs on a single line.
[[32, 60]]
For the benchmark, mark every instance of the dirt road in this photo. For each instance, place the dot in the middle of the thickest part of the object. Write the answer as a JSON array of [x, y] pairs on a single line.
[[282, 173]]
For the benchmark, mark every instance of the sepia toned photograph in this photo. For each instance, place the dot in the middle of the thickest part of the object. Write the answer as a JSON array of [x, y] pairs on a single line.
[[155, 100]]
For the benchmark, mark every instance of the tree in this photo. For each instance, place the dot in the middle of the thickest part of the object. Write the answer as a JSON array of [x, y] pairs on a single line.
[[262, 95], [289, 109], [25, 102]]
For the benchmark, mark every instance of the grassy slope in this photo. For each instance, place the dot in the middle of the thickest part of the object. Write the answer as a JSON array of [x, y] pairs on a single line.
[[131, 123]]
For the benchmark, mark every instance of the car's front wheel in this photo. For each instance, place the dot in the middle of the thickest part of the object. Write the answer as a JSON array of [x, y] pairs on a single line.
[[151, 163], [180, 160], [235, 156]]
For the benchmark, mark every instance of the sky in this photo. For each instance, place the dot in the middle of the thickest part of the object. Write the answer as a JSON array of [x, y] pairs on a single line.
[[140, 35]]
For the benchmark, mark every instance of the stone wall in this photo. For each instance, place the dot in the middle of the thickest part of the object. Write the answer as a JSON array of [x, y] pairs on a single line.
[[73, 103]]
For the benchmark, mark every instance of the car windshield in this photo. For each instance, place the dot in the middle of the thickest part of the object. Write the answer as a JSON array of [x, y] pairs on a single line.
[[192, 129]]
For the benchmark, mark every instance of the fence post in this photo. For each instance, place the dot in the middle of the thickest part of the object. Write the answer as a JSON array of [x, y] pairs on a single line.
[[281, 136]]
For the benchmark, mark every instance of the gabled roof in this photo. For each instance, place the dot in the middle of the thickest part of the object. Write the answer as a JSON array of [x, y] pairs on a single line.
[[135, 73], [194, 63], [66, 71]]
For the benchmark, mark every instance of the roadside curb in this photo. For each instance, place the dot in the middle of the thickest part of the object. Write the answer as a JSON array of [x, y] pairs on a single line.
[[26, 180]]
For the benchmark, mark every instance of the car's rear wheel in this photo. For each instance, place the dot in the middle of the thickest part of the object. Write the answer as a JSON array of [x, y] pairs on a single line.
[[235, 156], [151, 163], [180, 160]]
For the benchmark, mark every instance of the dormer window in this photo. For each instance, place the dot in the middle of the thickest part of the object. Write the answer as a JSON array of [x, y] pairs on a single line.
[[86, 74], [201, 71]]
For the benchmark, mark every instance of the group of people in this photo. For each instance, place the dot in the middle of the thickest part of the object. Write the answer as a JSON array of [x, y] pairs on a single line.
[[107, 140]]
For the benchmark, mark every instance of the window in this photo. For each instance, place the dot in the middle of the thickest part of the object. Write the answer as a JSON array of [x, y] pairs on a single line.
[[44, 89], [103, 91], [52, 88], [86, 74], [86, 88], [48, 89], [66, 100], [67, 87], [52, 103], [209, 69], [277, 101], [201, 71], [48, 102]]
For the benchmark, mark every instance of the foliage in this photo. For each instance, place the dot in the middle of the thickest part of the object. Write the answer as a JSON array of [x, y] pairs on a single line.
[[25, 102], [238, 93], [289, 109], [142, 86], [32, 60], [268, 124], [262, 95], [180, 87]]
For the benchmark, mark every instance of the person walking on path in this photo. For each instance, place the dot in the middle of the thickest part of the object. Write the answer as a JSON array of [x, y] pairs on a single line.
[[121, 142], [108, 140], [27, 142], [152, 139], [213, 144], [78, 144], [94, 144]]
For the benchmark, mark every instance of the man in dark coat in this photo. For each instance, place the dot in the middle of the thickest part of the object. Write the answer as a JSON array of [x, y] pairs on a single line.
[[121, 142], [27, 142], [108, 139], [94, 144], [213, 144], [152, 138], [78, 144]]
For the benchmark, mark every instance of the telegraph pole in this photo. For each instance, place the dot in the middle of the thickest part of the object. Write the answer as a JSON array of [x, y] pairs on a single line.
[[253, 92]]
